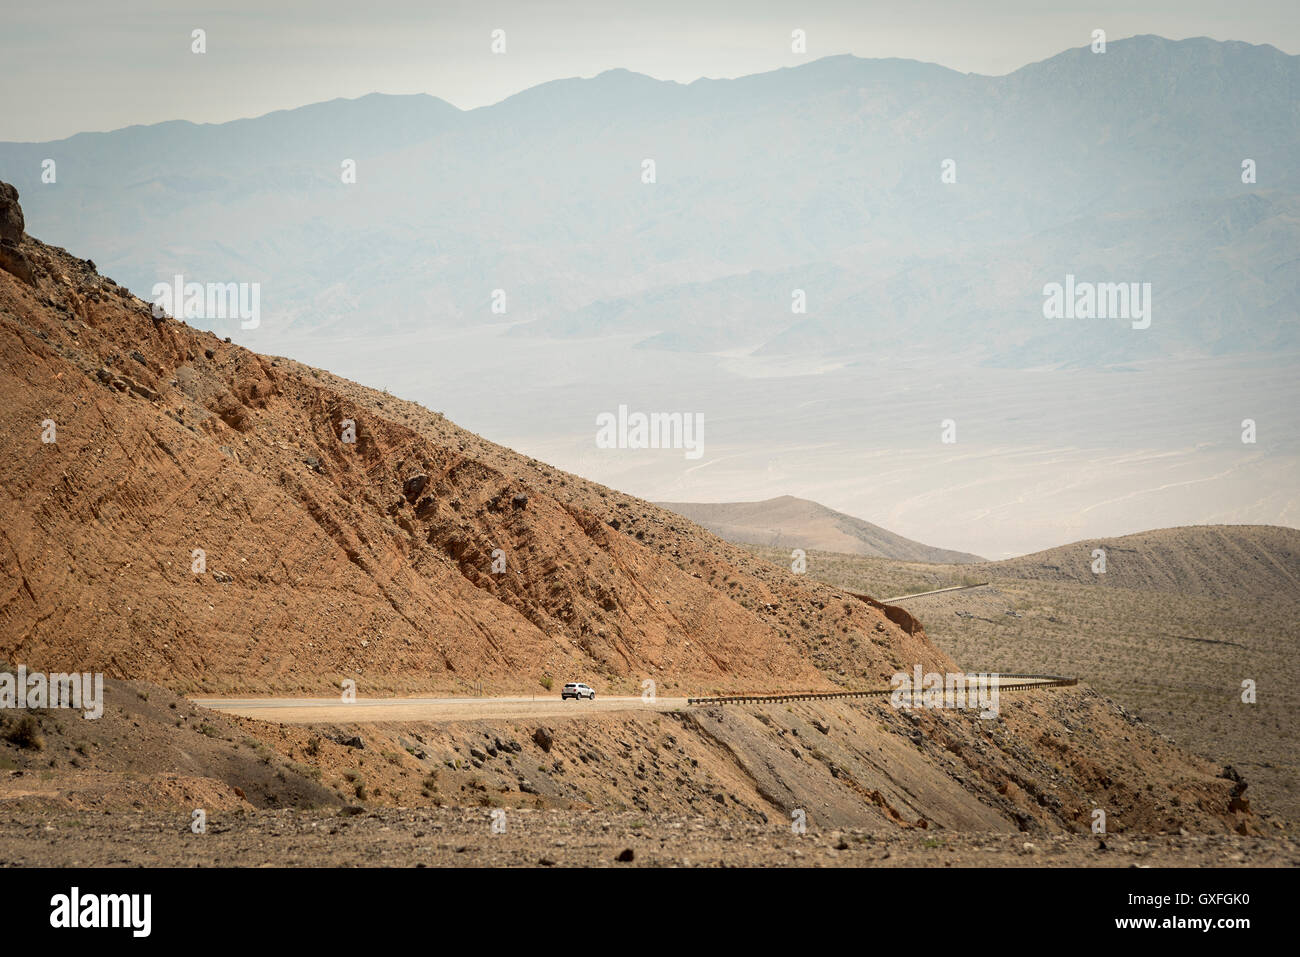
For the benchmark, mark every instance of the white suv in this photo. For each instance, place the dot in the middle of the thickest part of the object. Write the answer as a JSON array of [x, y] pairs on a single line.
[[575, 690]]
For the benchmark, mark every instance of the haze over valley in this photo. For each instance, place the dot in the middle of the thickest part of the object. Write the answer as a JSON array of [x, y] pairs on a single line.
[[923, 299]]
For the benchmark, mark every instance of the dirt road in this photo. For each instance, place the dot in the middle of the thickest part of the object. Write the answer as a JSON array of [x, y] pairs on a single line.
[[370, 710]]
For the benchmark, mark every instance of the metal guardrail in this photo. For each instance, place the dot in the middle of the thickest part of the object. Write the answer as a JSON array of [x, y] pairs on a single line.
[[1035, 681]]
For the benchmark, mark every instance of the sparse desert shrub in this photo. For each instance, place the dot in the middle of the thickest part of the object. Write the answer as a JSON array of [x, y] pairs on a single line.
[[548, 682], [26, 733]]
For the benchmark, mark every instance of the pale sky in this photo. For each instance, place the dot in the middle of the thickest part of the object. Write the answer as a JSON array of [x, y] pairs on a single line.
[[76, 65]]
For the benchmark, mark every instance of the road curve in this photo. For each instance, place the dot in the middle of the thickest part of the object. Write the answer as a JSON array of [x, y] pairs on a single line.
[[374, 710]]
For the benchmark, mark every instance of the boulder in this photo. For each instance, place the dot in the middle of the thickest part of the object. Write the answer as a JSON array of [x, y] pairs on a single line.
[[11, 215], [414, 486], [15, 263]]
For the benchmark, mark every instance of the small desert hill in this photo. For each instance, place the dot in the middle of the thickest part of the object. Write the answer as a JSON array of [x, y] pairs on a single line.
[[1214, 561], [1180, 618], [788, 522]]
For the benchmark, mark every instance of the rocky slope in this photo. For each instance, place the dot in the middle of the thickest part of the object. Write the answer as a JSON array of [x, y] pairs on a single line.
[[184, 514], [1040, 768], [1214, 561], [1172, 629], [326, 559]]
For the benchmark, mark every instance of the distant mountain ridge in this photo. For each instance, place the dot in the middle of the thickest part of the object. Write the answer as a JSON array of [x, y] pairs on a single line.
[[1260, 562], [1120, 166], [789, 522]]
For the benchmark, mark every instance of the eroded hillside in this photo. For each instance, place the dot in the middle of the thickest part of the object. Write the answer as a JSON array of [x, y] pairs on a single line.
[[180, 511], [322, 558], [1194, 629]]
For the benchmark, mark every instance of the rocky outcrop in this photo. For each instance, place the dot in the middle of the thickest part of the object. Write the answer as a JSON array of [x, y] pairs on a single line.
[[11, 215], [12, 259]]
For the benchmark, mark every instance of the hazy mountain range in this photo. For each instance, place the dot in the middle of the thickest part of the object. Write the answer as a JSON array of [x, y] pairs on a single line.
[[1123, 166]]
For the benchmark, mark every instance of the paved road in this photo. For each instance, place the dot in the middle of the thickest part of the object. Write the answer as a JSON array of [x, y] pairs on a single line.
[[922, 594], [371, 710]]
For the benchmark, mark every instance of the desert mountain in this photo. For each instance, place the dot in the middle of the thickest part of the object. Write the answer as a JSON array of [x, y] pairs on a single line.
[[851, 209], [789, 522], [179, 508]]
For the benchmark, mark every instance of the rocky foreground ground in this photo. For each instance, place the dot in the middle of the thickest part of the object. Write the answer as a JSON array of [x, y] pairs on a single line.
[[458, 837]]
